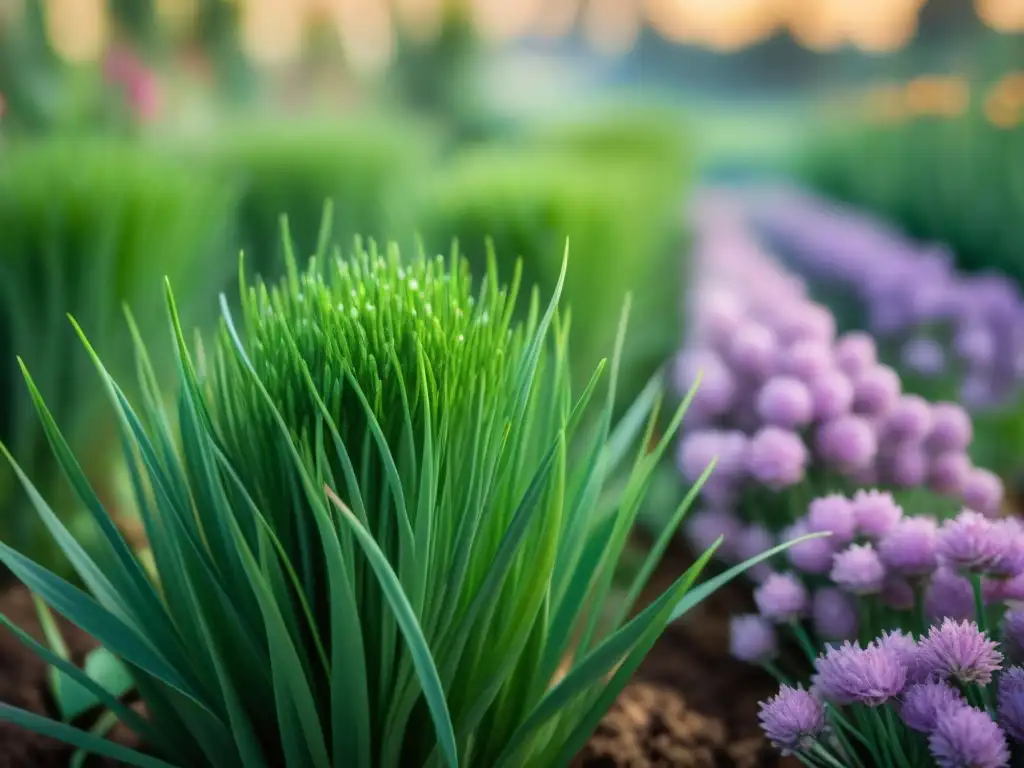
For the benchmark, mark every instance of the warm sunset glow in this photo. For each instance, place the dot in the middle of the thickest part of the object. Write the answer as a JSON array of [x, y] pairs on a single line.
[[818, 25], [1001, 15], [672, 19], [272, 30], [556, 18], [612, 26], [366, 28], [499, 21], [77, 29], [883, 26], [886, 103], [938, 95], [1004, 104]]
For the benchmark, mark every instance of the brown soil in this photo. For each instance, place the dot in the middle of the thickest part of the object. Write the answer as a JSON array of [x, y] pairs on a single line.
[[690, 705], [23, 684]]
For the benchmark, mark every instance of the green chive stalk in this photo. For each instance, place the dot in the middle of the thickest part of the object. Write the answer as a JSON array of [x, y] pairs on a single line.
[[375, 531]]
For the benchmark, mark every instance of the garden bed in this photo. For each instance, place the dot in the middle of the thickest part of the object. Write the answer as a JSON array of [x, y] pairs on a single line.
[[691, 705]]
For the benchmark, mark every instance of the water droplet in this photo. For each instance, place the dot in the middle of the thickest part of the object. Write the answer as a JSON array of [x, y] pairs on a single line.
[[354, 312], [370, 307], [427, 308], [341, 307], [300, 297], [460, 338], [414, 284]]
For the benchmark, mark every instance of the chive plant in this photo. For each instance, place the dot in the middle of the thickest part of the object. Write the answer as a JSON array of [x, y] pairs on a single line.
[[363, 164], [379, 540], [88, 225], [615, 210]]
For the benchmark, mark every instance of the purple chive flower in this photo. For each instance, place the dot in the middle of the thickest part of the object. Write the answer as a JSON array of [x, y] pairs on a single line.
[[811, 556], [1011, 703], [777, 457], [1013, 634], [811, 322], [948, 472], [717, 389], [752, 350], [982, 491], [924, 356], [831, 394], [910, 419], [876, 391], [752, 541], [951, 428], [855, 353], [906, 651], [720, 316], [909, 549], [1009, 541], [908, 466], [705, 526], [975, 345], [966, 543], [782, 598], [752, 639], [847, 443], [876, 512], [785, 402], [850, 674], [697, 450], [965, 736], [834, 614], [897, 593], [858, 570], [949, 595], [806, 360], [922, 704], [832, 514], [792, 719], [959, 651]]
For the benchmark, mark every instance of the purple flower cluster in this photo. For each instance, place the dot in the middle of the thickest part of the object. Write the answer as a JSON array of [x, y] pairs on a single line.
[[877, 553], [781, 397], [908, 292], [923, 682]]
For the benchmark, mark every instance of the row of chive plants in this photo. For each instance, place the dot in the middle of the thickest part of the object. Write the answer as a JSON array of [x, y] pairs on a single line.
[[899, 620], [951, 334]]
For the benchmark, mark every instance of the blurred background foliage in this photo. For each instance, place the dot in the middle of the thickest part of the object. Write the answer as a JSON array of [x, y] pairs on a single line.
[[162, 137]]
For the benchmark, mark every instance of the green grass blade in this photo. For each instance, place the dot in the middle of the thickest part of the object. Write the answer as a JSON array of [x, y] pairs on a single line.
[[78, 738], [701, 593], [423, 660]]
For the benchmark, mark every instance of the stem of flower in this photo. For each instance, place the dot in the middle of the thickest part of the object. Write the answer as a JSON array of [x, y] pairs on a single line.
[[919, 612], [826, 757], [979, 600], [842, 724], [894, 735], [865, 723], [804, 640], [775, 672]]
